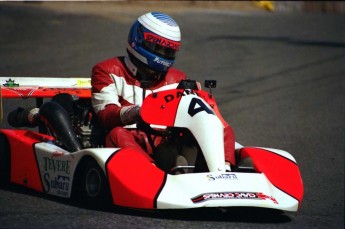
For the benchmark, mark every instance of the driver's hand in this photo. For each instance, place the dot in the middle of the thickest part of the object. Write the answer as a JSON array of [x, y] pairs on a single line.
[[129, 114]]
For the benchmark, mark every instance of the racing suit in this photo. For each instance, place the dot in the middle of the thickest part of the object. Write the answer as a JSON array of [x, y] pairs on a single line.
[[114, 87]]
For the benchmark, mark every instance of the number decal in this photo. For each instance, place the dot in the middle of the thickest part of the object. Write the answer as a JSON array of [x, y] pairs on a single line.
[[193, 110]]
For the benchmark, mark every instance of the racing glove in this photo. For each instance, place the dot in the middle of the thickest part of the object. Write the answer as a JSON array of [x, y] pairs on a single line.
[[129, 114]]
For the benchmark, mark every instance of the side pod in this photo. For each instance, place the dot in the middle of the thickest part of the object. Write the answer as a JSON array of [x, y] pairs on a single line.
[[134, 181], [279, 167]]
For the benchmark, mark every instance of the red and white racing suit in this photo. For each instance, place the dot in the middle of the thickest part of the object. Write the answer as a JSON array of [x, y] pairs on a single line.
[[114, 87]]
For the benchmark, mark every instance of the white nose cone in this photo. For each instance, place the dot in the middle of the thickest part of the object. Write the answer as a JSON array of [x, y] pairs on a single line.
[[162, 25]]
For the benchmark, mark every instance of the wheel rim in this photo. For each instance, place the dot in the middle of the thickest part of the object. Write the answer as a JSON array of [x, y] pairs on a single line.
[[93, 182]]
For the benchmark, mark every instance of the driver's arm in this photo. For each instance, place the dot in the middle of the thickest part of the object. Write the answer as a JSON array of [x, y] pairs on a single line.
[[105, 100]]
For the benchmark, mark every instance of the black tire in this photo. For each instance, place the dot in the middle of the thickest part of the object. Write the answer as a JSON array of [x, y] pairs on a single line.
[[5, 161], [94, 187]]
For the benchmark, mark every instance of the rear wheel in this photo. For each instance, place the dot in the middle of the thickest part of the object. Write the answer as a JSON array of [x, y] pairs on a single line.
[[5, 161], [93, 184]]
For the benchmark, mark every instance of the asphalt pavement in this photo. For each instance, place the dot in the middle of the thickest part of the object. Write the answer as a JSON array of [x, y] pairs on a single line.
[[281, 84]]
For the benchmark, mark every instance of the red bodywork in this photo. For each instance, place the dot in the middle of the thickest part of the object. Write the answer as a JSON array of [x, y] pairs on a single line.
[[137, 184], [282, 172], [165, 104], [43, 92], [24, 168]]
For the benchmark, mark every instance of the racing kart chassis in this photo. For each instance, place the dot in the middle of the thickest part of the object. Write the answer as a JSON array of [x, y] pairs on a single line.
[[63, 159]]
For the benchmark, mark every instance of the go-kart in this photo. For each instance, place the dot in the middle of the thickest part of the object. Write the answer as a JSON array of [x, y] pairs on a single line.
[[66, 156]]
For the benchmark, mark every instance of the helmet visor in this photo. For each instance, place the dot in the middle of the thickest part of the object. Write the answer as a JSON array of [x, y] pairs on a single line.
[[160, 46]]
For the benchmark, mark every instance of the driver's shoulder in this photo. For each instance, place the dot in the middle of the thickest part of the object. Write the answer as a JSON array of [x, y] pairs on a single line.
[[111, 65], [174, 76]]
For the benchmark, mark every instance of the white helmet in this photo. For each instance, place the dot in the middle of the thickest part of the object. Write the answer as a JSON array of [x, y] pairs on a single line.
[[153, 42]]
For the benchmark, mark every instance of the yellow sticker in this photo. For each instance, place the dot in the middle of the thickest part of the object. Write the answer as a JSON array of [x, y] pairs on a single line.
[[84, 82]]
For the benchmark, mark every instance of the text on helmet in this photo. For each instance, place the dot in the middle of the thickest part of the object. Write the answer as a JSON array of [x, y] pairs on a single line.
[[153, 38]]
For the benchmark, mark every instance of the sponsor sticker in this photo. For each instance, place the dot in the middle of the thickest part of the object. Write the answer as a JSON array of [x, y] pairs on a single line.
[[56, 175], [153, 38], [225, 176], [84, 83], [232, 196], [60, 184], [162, 62], [56, 168]]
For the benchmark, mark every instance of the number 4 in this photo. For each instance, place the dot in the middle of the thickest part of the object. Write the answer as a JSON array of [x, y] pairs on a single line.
[[193, 110]]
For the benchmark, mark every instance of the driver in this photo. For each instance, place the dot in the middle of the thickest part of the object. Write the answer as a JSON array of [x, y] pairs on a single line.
[[153, 41]]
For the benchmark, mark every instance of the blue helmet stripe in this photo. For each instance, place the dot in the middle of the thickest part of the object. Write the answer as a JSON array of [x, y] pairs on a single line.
[[165, 19]]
